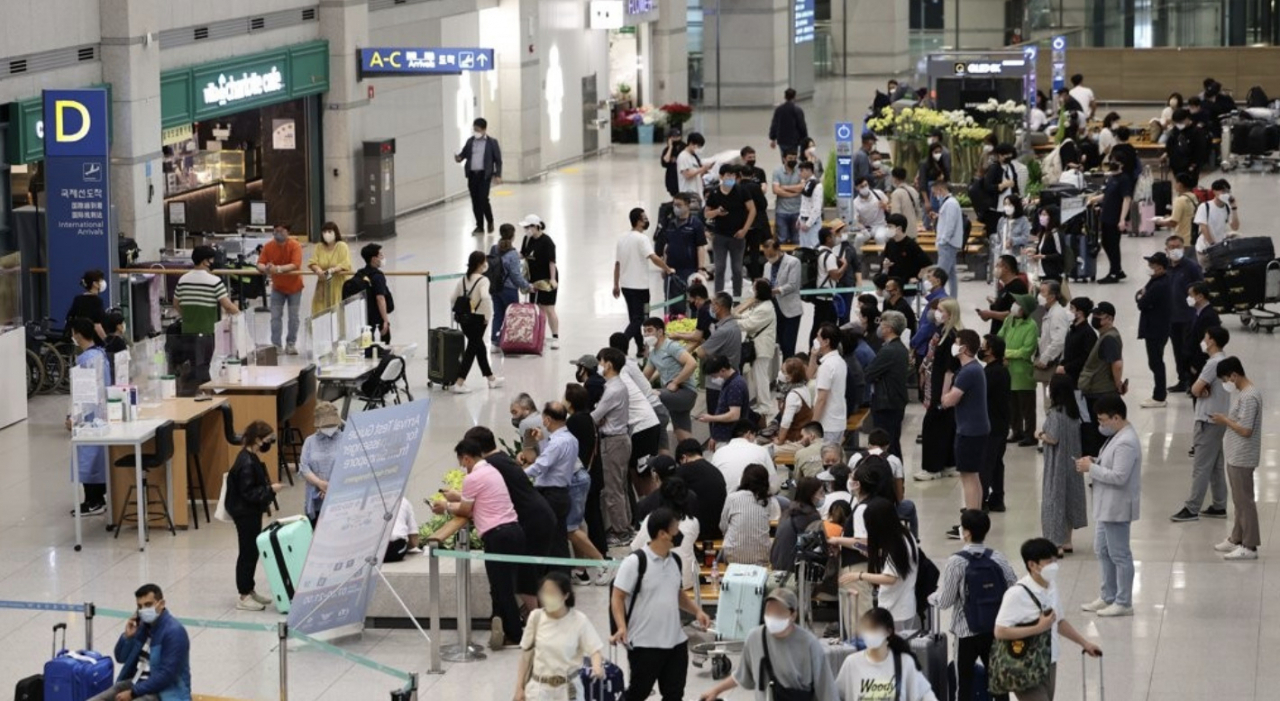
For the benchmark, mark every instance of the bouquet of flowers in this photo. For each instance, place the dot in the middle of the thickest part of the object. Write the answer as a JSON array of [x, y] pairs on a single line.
[[676, 113], [911, 123], [1007, 112], [452, 481]]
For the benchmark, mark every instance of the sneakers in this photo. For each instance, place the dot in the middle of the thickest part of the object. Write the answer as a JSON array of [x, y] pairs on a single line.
[[1154, 404], [1115, 611], [620, 540], [1028, 442], [459, 389], [1241, 553], [922, 476], [87, 509], [496, 637], [495, 382], [1184, 515], [555, 343], [950, 472], [1214, 512], [996, 506], [494, 349], [264, 600], [954, 533], [604, 576], [1179, 388], [290, 349], [1226, 546], [477, 231], [248, 603], [1094, 606]]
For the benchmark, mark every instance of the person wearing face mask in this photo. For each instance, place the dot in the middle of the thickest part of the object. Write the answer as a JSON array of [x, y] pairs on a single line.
[[934, 286], [903, 256], [1116, 475], [1205, 318], [1081, 338], [682, 243], [782, 272], [789, 184], [1103, 372], [1183, 273], [950, 225], [1009, 284], [1013, 231], [1207, 470], [482, 161], [556, 639], [331, 262], [809, 220], [1049, 255], [1216, 220], [1021, 334], [631, 273], [553, 470], [780, 659], [281, 258], [645, 608], [379, 302], [89, 304], [1166, 115], [1243, 448], [168, 659], [690, 167], [862, 169], [1155, 316], [870, 205], [809, 152], [674, 367], [831, 267], [997, 376], [759, 324], [248, 496], [1032, 608], [887, 374], [1064, 508], [893, 564], [539, 251], [938, 428], [730, 211], [90, 460], [1115, 200], [1187, 147], [906, 200], [886, 669], [967, 397], [802, 512], [319, 455], [935, 168], [506, 281], [403, 537], [1055, 324], [474, 287], [829, 369]]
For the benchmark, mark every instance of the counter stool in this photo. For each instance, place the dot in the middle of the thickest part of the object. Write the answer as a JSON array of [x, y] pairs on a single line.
[[292, 438], [193, 461], [150, 461], [229, 425], [286, 407]]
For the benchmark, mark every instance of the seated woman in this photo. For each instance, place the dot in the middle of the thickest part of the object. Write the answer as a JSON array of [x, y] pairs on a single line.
[[893, 563], [797, 406], [745, 519], [803, 513]]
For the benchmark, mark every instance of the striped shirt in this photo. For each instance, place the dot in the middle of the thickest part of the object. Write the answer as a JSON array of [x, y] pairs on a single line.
[[951, 591], [198, 295], [1246, 410], [745, 523]]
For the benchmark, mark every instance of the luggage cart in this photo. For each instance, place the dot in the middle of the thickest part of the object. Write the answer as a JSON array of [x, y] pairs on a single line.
[[1259, 317]]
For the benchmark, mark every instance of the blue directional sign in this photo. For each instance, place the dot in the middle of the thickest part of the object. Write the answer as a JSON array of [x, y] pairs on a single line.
[[844, 170], [1058, 46], [424, 61]]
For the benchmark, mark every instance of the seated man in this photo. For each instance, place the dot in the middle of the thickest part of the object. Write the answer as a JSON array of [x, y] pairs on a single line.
[[404, 534], [169, 656]]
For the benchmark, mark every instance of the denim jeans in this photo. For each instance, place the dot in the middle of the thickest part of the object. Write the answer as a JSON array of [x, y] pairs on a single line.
[[728, 253], [947, 261], [278, 301], [809, 235], [786, 227], [1111, 543], [503, 299]]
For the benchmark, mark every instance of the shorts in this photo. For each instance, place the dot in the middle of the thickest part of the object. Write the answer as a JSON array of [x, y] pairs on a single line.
[[545, 298], [969, 452], [579, 486]]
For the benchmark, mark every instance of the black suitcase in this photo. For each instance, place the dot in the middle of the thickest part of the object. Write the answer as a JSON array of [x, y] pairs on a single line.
[[1235, 253], [930, 649], [444, 355], [30, 689], [1162, 196], [1245, 286]]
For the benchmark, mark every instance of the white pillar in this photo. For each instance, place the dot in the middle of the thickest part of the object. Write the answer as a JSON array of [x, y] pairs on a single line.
[[346, 26], [877, 34]]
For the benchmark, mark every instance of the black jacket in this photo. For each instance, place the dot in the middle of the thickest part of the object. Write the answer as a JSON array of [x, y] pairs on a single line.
[[1079, 343], [1156, 308], [907, 257], [1205, 320], [1050, 246], [1187, 150], [788, 127], [248, 486], [888, 374], [707, 482], [783, 554], [492, 157], [997, 398]]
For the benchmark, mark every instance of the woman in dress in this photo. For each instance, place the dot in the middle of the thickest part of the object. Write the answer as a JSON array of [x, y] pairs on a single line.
[[1063, 506], [475, 287], [1013, 231], [939, 425], [331, 262], [759, 325], [556, 639]]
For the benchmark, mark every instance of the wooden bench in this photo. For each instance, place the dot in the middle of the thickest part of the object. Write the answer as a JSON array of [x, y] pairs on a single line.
[[853, 428], [788, 459]]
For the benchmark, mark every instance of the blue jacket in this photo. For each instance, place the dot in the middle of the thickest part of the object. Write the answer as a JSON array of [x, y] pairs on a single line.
[[924, 332], [513, 276], [170, 659]]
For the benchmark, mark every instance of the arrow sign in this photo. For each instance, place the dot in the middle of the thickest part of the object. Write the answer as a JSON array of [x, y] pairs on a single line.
[[424, 61]]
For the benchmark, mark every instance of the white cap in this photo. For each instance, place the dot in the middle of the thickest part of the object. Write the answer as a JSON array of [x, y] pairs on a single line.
[[530, 220]]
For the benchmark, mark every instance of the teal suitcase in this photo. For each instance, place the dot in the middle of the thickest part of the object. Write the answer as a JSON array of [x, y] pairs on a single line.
[[284, 544]]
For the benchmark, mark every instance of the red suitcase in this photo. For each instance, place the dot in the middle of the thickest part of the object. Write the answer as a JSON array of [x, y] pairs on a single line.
[[523, 330]]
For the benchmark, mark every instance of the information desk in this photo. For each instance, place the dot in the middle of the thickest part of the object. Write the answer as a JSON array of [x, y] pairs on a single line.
[[254, 399], [132, 434], [213, 451]]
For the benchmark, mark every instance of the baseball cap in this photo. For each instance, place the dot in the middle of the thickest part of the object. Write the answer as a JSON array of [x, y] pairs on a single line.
[[587, 361], [784, 596], [1159, 258], [530, 220], [1104, 309]]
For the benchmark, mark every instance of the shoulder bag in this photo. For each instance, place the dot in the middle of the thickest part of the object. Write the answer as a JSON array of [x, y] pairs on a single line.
[[1018, 665], [769, 682]]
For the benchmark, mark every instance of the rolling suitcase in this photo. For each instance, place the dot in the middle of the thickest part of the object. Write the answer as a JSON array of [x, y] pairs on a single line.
[[611, 688], [1086, 259], [672, 287], [30, 689], [284, 545], [76, 676], [523, 330], [1147, 219], [444, 356], [1239, 252], [1084, 678], [931, 650], [741, 606]]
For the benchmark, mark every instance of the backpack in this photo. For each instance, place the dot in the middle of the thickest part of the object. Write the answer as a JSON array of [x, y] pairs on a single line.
[[497, 272], [354, 285], [927, 578], [808, 258], [1256, 97], [984, 587], [462, 312], [635, 595]]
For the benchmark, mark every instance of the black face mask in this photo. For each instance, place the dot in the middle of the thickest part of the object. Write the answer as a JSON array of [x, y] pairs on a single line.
[[1096, 323], [677, 540], [515, 423], [266, 446]]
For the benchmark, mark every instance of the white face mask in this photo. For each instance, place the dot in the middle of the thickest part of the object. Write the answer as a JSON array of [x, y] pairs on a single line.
[[940, 317], [551, 603], [1229, 385], [875, 164], [1175, 254], [1008, 210], [937, 156], [1049, 572], [783, 379], [775, 625], [1204, 346], [864, 192], [957, 350], [478, 134], [1222, 197], [926, 286], [1191, 301], [650, 341], [328, 431], [1015, 311], [329, 237], [874, 639], [1042, 300], [148, 615]]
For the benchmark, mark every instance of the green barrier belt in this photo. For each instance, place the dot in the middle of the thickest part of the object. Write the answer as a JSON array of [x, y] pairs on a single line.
[[524, 559], [351, 656], [199, 622], [442, 278], [803, 293]]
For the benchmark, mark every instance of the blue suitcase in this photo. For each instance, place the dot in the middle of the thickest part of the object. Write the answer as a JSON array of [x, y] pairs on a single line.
[[741, 605], [283, 545], [76, 675], [611, 688]]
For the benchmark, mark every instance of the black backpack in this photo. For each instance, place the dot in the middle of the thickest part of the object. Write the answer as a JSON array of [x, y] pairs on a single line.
[[497, 272], [635, 595], [808, 258], [462, 312], [927, 578], [984, 587], [354, 285]]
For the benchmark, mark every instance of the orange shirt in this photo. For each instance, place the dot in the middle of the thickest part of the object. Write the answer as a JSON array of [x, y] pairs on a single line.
[[287, 253], [834, 530]]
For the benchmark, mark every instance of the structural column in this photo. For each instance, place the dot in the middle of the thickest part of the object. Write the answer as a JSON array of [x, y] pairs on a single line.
[[345, 23], [871, 36], [670, 54], [131, 64], [519, 103]]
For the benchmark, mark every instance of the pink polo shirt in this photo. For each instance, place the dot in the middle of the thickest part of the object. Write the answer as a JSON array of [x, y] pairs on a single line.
[[491, 503]]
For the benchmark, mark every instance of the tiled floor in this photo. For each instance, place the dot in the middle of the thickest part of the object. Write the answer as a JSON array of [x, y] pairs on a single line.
[[1203, 628]]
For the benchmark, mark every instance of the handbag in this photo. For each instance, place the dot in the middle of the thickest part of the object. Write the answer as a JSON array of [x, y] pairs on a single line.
[[748, 353], [221, 512], [1018, 665]]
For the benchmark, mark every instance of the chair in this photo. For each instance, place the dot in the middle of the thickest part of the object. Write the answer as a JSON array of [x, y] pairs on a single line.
[[193, 430], [229, 425], [291, 438], [286, 407], [374, 394], [150, 461]]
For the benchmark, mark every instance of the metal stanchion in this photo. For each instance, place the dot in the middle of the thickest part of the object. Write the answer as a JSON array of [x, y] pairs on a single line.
[[282, 633], [805, 596], [433, 593], [465, 650], [89, 611]]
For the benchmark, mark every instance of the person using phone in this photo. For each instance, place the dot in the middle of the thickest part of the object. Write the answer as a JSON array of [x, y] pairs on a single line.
[[249, 494], [169, 656]]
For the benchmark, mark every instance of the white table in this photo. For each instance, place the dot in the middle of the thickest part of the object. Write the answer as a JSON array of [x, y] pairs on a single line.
[[133, 433], [350, 375]]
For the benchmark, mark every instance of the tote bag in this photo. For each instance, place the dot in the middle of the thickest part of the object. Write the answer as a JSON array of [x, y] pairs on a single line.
[[221, 512]]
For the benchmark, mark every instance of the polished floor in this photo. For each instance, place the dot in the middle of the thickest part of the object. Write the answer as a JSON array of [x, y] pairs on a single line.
[[1203, 628]]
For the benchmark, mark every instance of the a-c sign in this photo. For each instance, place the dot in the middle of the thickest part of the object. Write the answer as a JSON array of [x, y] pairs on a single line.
[[79, 119]]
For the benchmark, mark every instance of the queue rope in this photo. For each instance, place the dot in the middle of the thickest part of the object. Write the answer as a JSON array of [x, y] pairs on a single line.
[[522, 559]]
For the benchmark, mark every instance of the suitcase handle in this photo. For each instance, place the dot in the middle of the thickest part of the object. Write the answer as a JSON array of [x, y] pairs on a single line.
[[59, 627], [1084, 677]]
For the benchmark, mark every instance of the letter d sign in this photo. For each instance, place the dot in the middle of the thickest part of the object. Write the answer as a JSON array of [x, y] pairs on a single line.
[[60, 108], [76, 123]]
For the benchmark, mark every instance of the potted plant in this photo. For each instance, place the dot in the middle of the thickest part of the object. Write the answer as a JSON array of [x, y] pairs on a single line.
[[676, 113]]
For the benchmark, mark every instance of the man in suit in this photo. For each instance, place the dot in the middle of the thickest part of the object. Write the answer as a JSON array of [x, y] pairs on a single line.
[[482, 159], [888, 375], [1155, 318], [788, 128], [1117, 484], [783, 273]]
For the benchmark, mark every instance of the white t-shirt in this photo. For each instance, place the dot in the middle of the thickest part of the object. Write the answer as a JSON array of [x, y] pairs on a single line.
[[655, 619], [686, 161], [640, 414], [895, 463], [559, 644], [832, 498], [797, 398], [1017, 608], [832, 373], [690, 528], [1218, 219], [1038, 119], [405, 523], [900, 598], [633, 251], [829, 261], [1084, 96], [867, 210]]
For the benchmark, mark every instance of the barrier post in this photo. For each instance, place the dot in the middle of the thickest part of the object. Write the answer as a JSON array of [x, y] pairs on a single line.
[[433, 593], [803, 586], [464, 651], [89, 610], [282, 633]]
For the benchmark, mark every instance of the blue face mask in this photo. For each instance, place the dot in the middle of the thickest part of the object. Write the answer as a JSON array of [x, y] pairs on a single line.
[[729, 182]]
